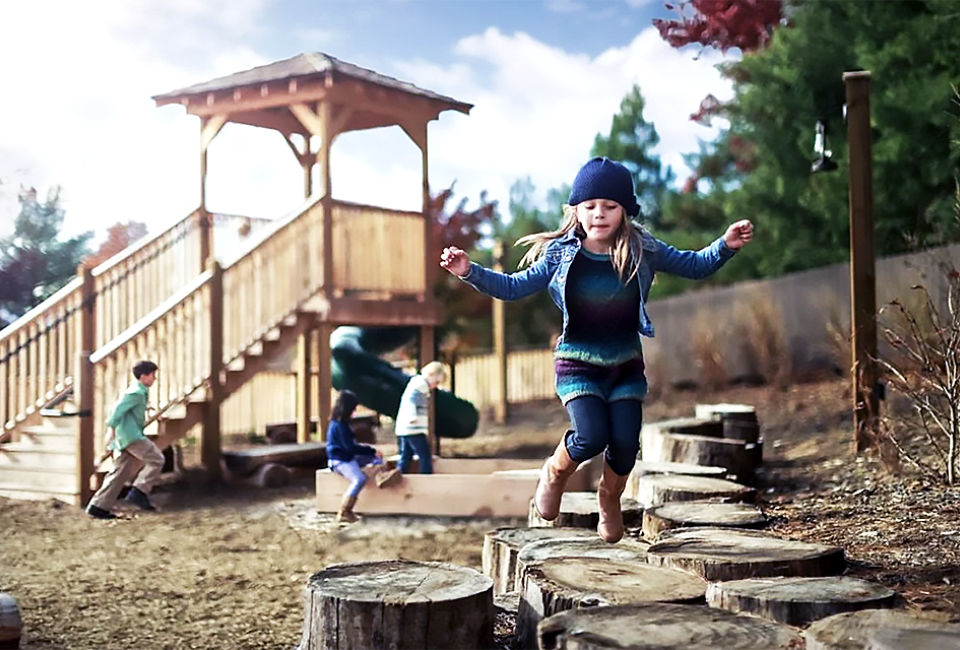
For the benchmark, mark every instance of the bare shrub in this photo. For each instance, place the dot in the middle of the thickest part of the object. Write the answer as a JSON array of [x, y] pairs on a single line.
[[839, 340], [924, 366], [763, 341], [707, 343]]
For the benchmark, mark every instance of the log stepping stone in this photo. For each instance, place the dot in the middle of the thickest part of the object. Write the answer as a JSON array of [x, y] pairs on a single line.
[[913, 640], [580, 510], [569, 583], [644, 467], [398, 604], [536, 553], [663, 627], [798, 601], [691, 514], [656, 489], [739, 420], [501, 546], [740, 458], [856, 630], [734, 554]]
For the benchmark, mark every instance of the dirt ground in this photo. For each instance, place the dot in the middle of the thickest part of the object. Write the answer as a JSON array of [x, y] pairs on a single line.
[[223, 566]]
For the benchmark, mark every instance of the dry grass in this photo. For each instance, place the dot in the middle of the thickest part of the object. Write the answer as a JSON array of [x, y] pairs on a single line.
[[763, 341], [707, 342]]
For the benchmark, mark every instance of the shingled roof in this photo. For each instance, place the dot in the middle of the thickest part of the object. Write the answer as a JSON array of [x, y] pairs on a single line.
[[305, 66]]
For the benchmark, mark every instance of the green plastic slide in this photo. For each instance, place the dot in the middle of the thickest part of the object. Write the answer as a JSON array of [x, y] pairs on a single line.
[[378, 385]]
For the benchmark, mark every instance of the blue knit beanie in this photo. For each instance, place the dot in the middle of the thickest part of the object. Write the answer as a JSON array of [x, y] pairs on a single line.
[[602, 178]]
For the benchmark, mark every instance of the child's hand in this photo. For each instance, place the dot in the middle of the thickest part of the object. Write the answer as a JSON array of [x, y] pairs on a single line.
[[738, 234], [455, 260]]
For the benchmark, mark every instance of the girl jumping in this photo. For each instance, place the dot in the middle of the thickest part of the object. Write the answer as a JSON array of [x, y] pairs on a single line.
[[598, 268]]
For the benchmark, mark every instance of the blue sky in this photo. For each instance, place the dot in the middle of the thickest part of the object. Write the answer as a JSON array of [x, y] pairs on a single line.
[[544, 75]]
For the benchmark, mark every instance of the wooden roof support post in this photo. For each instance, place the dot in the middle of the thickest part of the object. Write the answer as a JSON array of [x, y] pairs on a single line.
[[210, 443], [209, 128], [304, 376], [324, 379], [863, 279], [417, 131], [428, 353], [83, 383], [306, 158], [501, 406]]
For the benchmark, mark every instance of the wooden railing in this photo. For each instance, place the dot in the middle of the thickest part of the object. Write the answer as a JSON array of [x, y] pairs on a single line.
[[377, 250], [176, 336], [280, 269]]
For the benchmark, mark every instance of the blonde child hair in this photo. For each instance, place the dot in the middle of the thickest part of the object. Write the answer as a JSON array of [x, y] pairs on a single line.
[[626, 252], [434, 370]]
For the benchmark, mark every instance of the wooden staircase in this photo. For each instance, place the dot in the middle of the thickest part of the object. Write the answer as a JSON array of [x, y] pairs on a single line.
[[210, 325]]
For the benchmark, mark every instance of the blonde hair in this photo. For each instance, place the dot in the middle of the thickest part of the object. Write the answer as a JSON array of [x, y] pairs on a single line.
[[625, 254], [434, 370]]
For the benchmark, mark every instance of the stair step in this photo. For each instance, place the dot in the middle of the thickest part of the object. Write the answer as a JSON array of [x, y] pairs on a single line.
[[39, 479], [41, 438], [17, 455], [30, 493]]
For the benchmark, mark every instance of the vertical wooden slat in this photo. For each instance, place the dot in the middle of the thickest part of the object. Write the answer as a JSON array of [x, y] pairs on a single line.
[[324, 379], [84, 384], [304, 375], [210, 441]]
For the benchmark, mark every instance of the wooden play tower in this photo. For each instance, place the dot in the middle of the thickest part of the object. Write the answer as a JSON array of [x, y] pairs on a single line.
[[211, 321]]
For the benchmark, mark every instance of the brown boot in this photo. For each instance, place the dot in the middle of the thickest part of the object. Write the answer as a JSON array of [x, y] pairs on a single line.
[[553, 477], [346, 514], [609, 490]]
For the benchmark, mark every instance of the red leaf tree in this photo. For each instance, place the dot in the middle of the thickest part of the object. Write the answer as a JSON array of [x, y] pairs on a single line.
[[722, 24], [119, 236]]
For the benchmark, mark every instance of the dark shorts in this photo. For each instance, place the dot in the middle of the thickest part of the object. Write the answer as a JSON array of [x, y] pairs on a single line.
[[610, 383]]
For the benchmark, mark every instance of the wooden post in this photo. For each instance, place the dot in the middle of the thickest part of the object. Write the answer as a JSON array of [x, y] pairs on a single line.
[[501, 405], [324, 380], [863, 296], [83, 383], [210, 436], [304, 388], [209, 128], [323, 159], [307, 172], [431, 264]]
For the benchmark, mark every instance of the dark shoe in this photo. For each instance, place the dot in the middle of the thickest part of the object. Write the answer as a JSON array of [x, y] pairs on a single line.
[[100, 513], [139, 499]]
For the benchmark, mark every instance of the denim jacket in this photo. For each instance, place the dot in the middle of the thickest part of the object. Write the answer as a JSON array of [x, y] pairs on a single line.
[[551, 270]]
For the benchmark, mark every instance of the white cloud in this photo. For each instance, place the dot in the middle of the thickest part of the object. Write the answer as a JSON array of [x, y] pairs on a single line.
[[538, 108], [565, 6]]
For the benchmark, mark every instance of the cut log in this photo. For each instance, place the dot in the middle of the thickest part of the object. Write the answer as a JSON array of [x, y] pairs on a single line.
[[662, 627], [507, 603], [739, 420], [734, 554], [593, 547], [656, 489], [855, 630], [569, 583], [244, 462], [692, 514], [914, 640], [697, 426], [643, 467], [738, 457], [798, 601], [501, 546], [398, 604], [580, 510], [271, 476], [11, 623]]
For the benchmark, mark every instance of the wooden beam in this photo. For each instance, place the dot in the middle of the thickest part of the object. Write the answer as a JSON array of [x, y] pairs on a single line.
[[310, 120], [427, 353], [354, 311], [273, 99], [863, 281], [324, 379], [210, 127], [83, 383], [304, 390], [210, 441], [340, 119], [325, 133]]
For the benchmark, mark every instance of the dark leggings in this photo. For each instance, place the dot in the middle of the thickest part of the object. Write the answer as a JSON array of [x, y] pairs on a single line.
[[599, 425]]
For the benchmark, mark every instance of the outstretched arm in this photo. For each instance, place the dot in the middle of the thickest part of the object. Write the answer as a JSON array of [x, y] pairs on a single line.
[[697, 265], [503, 286]]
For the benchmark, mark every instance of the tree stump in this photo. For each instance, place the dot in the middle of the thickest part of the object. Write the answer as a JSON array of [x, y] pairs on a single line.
[[739, 420], [507, 603], [643, 468], [398, 604], [662, 627], [657, 489], [11, 623], [733, 554], [551, 549], [271, 475], [739, 458], [798, 601], [696, 426], [914, 640], [580, 510], [569, 583], [691, 514], [501, 546], [855, 630]]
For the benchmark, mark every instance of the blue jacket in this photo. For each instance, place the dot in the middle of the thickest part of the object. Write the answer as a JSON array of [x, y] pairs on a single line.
[[342, 445], [551, 270]]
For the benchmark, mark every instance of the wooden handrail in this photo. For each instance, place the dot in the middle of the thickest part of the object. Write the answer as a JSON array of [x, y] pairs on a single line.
[[132, 250], [268, 232], [45, 306], [385, 211], [140, 326]]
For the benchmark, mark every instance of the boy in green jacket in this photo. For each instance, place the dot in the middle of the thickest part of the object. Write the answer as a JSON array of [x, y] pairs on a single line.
[[130, 447]]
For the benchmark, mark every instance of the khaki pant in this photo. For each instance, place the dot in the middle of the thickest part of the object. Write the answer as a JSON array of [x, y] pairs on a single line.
[[126, 465]]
